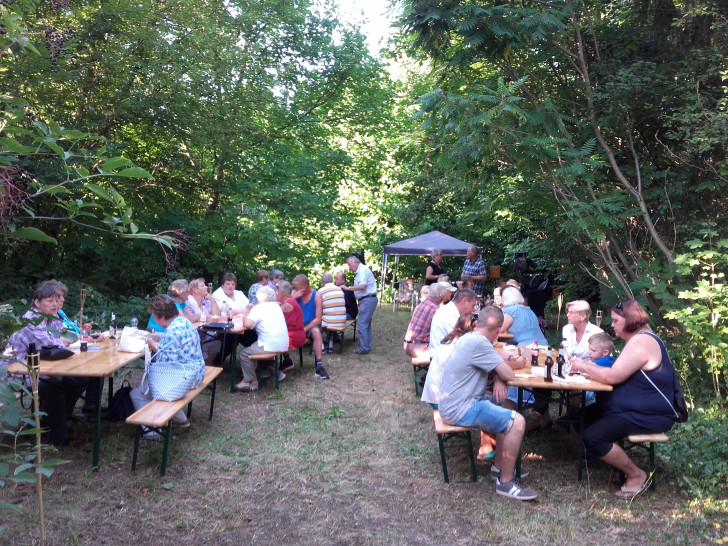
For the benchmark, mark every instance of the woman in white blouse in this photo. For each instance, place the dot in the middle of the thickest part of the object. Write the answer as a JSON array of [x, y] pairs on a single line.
[[578, 331]]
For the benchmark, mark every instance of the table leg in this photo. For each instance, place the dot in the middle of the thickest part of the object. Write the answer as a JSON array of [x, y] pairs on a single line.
[[581, 434], [97, 428], [233, 364], [275, 370], [518, 458], [111, 389]]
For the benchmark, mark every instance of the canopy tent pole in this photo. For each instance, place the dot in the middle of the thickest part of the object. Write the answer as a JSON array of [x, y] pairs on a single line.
[[384, 277], [394, 275]]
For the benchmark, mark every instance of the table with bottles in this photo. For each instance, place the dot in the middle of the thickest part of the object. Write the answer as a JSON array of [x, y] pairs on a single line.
[[229, 336], [101, 360], [536, 377]]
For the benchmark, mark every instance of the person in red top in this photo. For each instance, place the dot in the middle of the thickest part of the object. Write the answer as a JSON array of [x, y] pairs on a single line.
[[294, 321], [417, 338]]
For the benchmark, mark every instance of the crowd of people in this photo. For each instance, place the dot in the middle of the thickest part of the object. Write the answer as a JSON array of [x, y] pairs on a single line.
[[453, 325], [277, 315], [467, 377]]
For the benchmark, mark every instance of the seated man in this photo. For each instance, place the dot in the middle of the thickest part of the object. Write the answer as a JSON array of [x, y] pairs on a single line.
[[58, 395], [333, 308], [446, 317], [311, 304], [417, 338], [464, 402]]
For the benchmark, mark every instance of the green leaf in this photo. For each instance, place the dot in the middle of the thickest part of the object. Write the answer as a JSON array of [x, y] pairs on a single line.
[[167, 485], [9, 507], [23, 477], [134, 172], [114, 163], [101, 192], [32, 234]]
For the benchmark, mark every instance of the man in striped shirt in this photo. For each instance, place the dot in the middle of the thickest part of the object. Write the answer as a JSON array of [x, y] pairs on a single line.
[[334, 307]]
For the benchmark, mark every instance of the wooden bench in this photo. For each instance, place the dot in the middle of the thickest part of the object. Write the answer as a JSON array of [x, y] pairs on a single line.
[[157, 415], [419, 363], [445, 433], [275, 357], [342, 330], [646, 442]]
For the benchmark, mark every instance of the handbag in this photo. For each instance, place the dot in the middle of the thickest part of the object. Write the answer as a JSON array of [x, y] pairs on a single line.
[[133, 340], [51, 352], [166, 380], [121, 405]]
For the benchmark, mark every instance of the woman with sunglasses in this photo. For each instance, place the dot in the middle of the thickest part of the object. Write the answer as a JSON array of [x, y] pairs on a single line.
[[642, 399]]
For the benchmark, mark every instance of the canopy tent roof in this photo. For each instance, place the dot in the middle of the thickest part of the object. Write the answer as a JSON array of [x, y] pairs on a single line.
[[423, 245]]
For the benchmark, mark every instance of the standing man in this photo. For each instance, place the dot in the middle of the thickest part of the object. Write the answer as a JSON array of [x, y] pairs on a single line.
[[352, 309], [311, 304], [365, 290], [464, 402], [474, 267]]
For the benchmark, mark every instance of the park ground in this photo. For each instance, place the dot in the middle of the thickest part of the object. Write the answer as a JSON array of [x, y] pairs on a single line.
[[349, 461]]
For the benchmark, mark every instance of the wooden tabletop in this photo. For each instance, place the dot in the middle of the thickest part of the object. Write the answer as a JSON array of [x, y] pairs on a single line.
[[91, 363], [539, 383]]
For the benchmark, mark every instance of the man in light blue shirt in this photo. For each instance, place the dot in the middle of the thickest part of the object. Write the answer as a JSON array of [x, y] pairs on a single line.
[[365, 290]]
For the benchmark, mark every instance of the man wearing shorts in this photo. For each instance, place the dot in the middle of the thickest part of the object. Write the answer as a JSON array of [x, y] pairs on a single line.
[[464, 402]]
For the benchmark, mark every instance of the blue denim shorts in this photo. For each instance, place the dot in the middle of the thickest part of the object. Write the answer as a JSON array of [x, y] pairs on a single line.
[[485, 414]]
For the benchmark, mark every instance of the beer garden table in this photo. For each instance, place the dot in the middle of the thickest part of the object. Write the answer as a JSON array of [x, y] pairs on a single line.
[[532, 378], [93, 363]]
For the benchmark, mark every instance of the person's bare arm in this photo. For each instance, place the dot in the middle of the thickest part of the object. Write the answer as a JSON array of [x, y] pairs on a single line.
[[505, 372], [507, 322]]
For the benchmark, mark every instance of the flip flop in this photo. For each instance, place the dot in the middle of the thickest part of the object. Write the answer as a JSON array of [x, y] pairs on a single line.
[[631, 493], [489, 457]]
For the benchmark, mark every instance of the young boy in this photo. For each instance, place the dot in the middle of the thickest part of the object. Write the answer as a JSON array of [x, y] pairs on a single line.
[[600, 349]]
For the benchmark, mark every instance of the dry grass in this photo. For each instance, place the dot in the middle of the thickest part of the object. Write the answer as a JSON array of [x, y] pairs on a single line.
[[349, 461]]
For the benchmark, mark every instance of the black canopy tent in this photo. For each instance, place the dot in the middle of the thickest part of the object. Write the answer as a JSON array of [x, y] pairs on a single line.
[[422, 245]]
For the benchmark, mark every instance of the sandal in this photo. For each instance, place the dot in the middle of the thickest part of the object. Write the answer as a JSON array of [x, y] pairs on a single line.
[[631, 493], [487, 457], [245, 387]]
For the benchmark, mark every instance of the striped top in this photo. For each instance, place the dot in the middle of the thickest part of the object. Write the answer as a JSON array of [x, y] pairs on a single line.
[[334, 306]]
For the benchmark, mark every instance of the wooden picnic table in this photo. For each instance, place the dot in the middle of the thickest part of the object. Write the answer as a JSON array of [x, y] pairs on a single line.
[[530, 378], [99, 363]]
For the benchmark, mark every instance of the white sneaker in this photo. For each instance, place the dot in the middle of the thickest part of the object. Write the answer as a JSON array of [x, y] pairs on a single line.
[[281, 376]]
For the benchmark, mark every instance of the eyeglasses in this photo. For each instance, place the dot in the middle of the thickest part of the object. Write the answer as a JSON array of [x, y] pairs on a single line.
[[619, 306]]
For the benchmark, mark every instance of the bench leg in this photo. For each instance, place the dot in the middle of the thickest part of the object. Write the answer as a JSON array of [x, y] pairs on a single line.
[[417, 387], [300, 357], [189, 410], [443, 461], [165, 449], [233, 366], [213, 388], [137, 439]]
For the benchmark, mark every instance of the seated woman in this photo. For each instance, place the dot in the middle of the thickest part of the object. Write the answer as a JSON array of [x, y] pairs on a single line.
[[268, 320], [234, 299], [200, 300], [261, 280], [519, 320], [642, 400], [179, 344], [178, 291], [294, 321], [58, 395]]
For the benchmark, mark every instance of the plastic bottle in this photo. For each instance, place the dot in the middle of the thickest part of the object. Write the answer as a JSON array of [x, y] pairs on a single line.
[[134, 322], [230, 315], [203, 316], [224, 310]]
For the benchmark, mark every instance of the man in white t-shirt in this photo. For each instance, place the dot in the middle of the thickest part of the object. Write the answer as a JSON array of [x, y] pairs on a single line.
[[446, 317]]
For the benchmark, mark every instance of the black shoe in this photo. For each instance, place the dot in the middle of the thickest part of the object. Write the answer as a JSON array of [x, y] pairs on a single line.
[[321, 373], [287, 364]]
